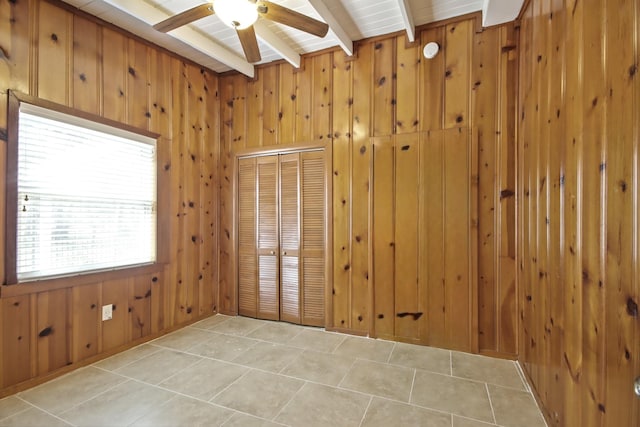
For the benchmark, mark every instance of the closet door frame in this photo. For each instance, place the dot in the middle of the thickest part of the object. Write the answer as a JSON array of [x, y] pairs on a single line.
[[326, 147]]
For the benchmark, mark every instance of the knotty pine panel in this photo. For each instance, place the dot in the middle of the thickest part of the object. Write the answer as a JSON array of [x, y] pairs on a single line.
[[408, 86], [114, 65], [86, 81], [52, 327], [383, 237], [55, 42], [342, 102], [387, 88], [133, 82], [86, 314], [579, 217], [407, 290], [117, 331], [17, 351]]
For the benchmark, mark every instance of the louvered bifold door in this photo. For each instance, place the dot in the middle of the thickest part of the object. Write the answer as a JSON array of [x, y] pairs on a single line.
[[267, 226], [247, 260], [312, 256], [289, 238]]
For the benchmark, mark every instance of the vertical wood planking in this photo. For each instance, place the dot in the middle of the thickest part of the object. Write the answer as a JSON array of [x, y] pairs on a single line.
[[506, 170], [554, 318], [432, 237], [382, 230], [287, 104], [72, 59], [457, 89], [270, 91], [255, 110], [52, 330], [621, 209], [321, 107], [117, 331], [114, 65], [486, 108], [457, 241], [303, 101], [16, 343], [383, 101], [140, 295], [138, 112], [86, 311], [55, 41], [208, 111], [593, 196], [432, 79], [408, 86], [342, 149], [572, 356], [584, 321], [227, 299], [407, 291], [361, 131], [17, 352], [86, 80]]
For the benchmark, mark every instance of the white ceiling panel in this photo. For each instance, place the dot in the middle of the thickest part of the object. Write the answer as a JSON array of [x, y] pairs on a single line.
[[211, 43]]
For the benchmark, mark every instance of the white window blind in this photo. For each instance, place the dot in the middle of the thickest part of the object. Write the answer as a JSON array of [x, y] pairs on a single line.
[[86, 196]]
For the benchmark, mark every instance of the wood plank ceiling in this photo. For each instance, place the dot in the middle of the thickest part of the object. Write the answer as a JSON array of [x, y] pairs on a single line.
[[210, 43]]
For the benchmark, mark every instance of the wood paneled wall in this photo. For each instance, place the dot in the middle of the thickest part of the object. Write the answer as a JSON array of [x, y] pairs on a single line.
[[51, 52], [579, 220], [388, 88]]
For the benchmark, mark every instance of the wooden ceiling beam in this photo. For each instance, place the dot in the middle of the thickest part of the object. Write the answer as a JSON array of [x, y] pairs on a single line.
[[407, 19], [345, 42], [151, 15], [276, 43]]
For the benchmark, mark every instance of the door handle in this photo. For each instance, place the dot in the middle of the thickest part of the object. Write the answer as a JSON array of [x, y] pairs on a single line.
[[284, 252], [636, 387], [272, 252]]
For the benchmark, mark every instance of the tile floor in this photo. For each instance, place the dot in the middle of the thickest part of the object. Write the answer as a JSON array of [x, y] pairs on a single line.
[[235, 371]]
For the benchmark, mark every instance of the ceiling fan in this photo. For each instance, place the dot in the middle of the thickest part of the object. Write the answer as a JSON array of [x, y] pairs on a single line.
[[240, 15]]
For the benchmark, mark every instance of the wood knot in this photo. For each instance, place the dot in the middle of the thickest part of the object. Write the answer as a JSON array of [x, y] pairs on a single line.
[[45, 332], [632, 307]]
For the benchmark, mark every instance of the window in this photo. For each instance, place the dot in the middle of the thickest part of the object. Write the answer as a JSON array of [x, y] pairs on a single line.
[[85, 195]]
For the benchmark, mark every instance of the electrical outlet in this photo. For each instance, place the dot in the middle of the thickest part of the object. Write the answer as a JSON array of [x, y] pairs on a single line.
[[107, 312]]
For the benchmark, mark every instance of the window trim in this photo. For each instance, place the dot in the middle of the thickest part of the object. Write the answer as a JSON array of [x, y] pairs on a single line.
[[72, 279]]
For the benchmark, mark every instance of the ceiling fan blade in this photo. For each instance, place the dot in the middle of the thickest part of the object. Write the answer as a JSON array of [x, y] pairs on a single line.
[[184, 18], [291, 18], [249, 44]]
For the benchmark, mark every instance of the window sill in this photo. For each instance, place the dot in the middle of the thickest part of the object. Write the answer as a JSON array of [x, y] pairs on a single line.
[[70, 281]]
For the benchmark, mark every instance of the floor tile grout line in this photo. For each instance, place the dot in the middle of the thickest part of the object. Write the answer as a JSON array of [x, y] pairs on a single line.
[[391, 353], [493, 412], [450, 363], [159, 348], [474, 419], [413, 381], [34, 406], [288, 402], [83, 401], [229, 385], [364, 415], [30, 406], [346, 374]]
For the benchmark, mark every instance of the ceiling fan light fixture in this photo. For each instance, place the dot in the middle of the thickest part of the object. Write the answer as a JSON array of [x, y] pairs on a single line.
[[238, 14]]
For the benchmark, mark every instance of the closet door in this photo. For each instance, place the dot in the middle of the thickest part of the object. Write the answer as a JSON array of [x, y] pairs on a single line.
[[247, 259], [312, 256], [290, 238], [267, 230]]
